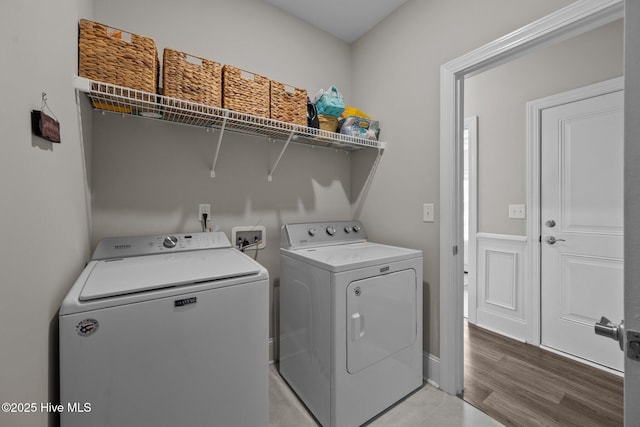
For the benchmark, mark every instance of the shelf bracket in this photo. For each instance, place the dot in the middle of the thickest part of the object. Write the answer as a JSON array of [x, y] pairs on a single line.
[[286, 144], [215, 159]]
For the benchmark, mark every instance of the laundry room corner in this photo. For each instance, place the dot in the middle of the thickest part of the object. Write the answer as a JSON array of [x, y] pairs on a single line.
[[149, 177], [45, 213]]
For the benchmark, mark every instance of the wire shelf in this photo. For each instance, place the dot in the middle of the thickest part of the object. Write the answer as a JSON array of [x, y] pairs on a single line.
[[126, 101]]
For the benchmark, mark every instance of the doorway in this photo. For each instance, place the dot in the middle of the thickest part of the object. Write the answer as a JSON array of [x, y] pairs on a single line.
[[590, 118], [567, 22], [509, 177]]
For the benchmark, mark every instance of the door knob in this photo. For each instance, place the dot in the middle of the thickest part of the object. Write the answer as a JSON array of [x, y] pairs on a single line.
[[607, 329], [551, 240], [550, 223]]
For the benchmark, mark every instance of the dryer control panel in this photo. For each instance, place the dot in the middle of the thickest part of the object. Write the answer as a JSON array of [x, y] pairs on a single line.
[[293, 236], [123, 247]]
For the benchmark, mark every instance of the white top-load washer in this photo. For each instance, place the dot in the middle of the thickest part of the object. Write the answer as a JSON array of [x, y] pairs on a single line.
[[350, 321], [166, 331]]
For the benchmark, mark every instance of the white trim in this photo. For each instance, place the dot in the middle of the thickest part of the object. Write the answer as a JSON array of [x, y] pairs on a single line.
[[507, 318], [504, 237], [567, 22], [431, 369], [506, 332], [471, 123], [534, 117], [512, 273]]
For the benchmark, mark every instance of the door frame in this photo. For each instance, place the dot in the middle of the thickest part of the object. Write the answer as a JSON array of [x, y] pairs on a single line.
[[570, 21], [533, 281]]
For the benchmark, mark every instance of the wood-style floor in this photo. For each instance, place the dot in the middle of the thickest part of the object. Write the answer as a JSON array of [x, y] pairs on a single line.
[[522, 385]]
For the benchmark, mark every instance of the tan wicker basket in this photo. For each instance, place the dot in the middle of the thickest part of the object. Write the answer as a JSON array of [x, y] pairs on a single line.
[[191, 78], [105, 57], [288, 105], [245, 92]]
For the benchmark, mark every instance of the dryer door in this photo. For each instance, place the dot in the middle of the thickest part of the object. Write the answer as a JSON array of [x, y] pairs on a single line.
[[381, 317]]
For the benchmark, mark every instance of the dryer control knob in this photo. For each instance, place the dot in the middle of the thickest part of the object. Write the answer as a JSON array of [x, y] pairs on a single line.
[[331, 230], [312, 232], [170, 242], [347, 229], [356, 228]]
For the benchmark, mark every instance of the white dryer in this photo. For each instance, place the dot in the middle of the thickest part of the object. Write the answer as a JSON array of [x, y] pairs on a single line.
[[166, 331], [350, 321]]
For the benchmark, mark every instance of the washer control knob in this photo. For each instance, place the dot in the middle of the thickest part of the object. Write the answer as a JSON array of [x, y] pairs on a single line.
[[312, 232], [331, 230], [170, 242], [356, 228], [347, 229]]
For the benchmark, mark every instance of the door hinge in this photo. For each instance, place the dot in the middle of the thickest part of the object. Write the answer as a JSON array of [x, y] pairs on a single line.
[[455, 250]]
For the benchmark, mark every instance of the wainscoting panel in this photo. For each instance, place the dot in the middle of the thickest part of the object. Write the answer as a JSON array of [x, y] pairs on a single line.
[[501, 293]]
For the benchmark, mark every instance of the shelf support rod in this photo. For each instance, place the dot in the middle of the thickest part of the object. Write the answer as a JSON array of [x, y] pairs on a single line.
[[286, 144], [215, 159]]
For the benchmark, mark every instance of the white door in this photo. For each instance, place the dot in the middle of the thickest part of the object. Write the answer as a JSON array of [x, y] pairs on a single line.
[[582, 209], [632, 207]]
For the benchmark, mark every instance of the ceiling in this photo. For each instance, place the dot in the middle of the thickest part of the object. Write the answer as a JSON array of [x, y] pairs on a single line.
[[345, 19]]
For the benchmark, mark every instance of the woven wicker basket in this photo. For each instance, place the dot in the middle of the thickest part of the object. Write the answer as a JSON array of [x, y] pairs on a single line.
[[245, 92], [199, 81], [288, 105], [105, 57]]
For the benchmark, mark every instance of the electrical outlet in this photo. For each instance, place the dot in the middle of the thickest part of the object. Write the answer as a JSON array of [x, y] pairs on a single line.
[[517, 211], [249, 235], [204, 208]]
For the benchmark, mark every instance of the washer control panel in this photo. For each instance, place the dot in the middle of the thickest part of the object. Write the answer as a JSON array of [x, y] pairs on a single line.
[[123, 247], [321, 234]]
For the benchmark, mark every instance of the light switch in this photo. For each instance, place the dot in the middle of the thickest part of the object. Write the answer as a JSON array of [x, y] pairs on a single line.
[[428, 212], [517, 211]]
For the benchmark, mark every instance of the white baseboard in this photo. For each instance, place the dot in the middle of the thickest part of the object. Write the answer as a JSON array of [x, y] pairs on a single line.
[[431, 369]]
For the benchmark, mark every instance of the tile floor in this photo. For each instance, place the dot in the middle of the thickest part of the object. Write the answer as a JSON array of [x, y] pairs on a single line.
[[426, 407]]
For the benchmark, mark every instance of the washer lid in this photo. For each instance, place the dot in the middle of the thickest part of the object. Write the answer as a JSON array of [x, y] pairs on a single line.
[[123, 276], [351, 256]]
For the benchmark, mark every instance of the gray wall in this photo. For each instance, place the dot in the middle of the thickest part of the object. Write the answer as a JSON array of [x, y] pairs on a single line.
[[396, 77], [250, 34], [499, 96], [44, 213], [149, 177]]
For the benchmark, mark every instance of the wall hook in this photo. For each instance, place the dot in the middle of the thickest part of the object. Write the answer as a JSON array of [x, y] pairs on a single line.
[[46, 106]]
